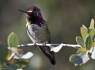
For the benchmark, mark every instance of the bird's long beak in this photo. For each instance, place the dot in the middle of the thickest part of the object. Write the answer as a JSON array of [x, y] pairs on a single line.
[[22, 11]]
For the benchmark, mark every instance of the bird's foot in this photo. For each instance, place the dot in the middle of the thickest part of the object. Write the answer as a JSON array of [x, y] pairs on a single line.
[[44, 44], [35, 44]]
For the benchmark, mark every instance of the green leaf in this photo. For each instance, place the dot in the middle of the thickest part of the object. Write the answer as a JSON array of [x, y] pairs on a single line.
[[22, 63], [82, 50], [93, 40], [80, 41], [3, 53], [91, 32], [92, 24], [88, 42], [79, 59], [13, 40], [84, 32], [12, 67]]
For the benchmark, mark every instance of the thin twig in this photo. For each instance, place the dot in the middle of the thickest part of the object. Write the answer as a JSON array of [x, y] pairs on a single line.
[[50, 45]]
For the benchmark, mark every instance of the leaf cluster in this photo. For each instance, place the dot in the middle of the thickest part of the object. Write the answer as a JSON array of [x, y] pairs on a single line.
[[12, 54], [87, 43]]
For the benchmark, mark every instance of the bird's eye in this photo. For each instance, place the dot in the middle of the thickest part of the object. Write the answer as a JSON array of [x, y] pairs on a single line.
[[36, 13]]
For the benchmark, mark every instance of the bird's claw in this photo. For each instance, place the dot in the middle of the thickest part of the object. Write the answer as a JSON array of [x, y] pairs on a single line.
[[44, 44], [35, 44]]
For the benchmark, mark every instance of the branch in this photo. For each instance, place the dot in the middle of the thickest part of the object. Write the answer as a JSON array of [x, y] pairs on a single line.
[[54, 47], [50, 45]]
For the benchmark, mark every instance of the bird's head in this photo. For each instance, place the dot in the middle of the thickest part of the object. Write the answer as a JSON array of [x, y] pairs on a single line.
[[33, 15]]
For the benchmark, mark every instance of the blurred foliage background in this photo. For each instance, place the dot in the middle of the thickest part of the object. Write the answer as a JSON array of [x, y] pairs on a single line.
[[64, 19]]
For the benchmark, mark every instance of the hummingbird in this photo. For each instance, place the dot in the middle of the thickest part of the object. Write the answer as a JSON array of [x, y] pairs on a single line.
[[38, 31]]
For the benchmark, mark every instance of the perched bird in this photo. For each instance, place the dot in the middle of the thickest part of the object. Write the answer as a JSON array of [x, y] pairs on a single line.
[[37, 30]]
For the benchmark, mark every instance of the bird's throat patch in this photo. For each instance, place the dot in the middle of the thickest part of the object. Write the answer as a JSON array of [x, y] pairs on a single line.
[[27, 23]]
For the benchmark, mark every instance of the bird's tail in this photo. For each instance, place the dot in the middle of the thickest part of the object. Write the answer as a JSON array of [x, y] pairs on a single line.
[[48, 53]]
